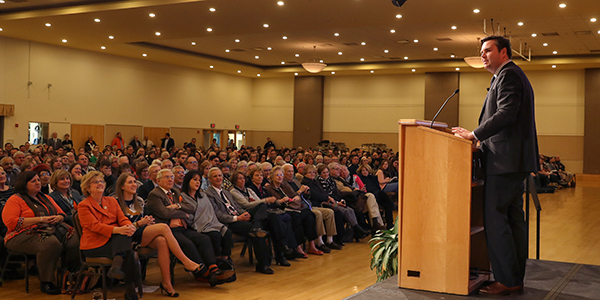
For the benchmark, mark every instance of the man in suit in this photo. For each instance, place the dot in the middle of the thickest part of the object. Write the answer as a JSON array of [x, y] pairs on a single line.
[[55, 142], [146, 188], [135, 143], [241, 222], [508, 139], [166, 206], [167, 142]]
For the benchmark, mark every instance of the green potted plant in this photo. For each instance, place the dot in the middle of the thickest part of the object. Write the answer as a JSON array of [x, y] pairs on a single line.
[[384, 252]]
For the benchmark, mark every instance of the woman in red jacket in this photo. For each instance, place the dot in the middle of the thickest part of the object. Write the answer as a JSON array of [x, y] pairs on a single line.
[[35, 226]]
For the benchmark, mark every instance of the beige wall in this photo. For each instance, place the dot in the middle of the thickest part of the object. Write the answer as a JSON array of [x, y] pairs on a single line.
[[272, 106]]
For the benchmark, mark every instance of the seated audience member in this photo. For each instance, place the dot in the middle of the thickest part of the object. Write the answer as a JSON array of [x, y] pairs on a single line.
[[179, 173], [55, 164], [242, 166], [84, 161], [90, 144], [106, 232], [44, 172], [226, 170], [19, 159], [266, 168], [300, 171], [335, 202], [142, 173], [204, 168], [566, 178], [371, 183], [35, 227], [385, 181], [66, 197], [5, 190], [205, 219], [279, 222], [371, 204], [66, 142], [76, 176], [166, 205], [151, 183], [150, 234], [239, 220], [304, 221], [191, 164], [325, 217], [7, 164], [166, 164]]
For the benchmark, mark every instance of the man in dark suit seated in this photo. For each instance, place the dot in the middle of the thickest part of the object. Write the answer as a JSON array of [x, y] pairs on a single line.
[[152, 183], [510, 151], [241, 222], [165, 204]]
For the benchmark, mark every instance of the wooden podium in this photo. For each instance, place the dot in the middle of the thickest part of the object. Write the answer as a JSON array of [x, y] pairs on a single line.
[[440, 210]]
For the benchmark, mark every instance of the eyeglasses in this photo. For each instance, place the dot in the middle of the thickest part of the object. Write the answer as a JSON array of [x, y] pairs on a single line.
[[193, 162], [169, 177], [100, 181]]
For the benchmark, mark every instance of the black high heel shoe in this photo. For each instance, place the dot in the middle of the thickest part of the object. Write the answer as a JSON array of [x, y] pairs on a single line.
[[172, 295], [198, 272]]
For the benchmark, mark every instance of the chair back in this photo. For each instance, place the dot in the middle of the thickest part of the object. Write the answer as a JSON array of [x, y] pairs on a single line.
[[78, 230]]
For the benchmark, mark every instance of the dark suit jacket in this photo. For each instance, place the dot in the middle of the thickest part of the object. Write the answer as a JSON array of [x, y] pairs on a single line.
[[219, 205], [507, 124], [145, 189], [170, 143], [157, 206], [55, 144]]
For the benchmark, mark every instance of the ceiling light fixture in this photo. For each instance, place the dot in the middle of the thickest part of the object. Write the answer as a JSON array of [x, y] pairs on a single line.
[[386, 51], [297, 55], [97, 20], [475, 61], [266, 25], [280, 3], [476, 11], [393, 31], [562, 5], [111, 37], [398, 16], [258, 75], [209, 29], [144, 55], [151, 15], [269, 48], [157, 33], [372, 71], [363, 43], [256, 57], [593, 20], [340, 53], [237, 40], [239, 71], [453, 27], [406, 57], [520, 23], [193, 43], [211, 67], [103, 48], [314, 67], [362, 59], [284, 37], [545, 44], [435, 49], [227, 50], [336, 34], [452, 55], [212, 9], [48, 24], [533, 34], [416, 41], [457, 69], [553, 66], [64, 40], [332, 73], [295, 74], [554, 52], [414, 70], [283, 62]]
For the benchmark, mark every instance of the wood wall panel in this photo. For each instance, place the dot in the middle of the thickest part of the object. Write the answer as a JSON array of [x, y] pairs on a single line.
[[438, 87], [591, 150], [280, 138], [308, 110], [155, 134], [127, 132], [356, 139], [81, 132], [184, 135]]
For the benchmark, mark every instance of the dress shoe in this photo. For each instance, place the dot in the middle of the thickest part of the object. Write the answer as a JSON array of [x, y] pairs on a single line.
[[199, 271], [115, 269], [334, 245], [264, 270], [360, 232], [498, 288], [224, 275], [315, 251], [257, 232], [324, 248], [172, 295], [49, 288], [282, 262]]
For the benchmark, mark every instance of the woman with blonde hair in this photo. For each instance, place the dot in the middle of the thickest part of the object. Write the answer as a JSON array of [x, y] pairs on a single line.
[[66, 197]]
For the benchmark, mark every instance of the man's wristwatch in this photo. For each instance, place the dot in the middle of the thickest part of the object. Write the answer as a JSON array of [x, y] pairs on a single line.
[[178, 205]]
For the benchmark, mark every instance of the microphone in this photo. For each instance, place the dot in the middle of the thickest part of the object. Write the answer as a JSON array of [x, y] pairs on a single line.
[[443, 105]]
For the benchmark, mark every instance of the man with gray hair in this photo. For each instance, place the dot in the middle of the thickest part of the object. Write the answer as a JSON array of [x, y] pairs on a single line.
[[145, 189], [18, 159], [179, 173]]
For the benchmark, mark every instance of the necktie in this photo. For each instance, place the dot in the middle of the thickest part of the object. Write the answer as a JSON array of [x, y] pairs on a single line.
[[230, 207]]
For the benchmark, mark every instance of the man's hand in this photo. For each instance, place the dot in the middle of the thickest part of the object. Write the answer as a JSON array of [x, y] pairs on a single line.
[[463, 133], [244, 217]]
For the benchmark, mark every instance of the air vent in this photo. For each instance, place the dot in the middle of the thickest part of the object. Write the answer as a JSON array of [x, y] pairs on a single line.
[[258, 48], [326, 45], [583, 32], [403, 42], [237, 50], [291, 62], [443, 39], [395, 57], [549, 33], [595, 51], [351, 44], [378, 56]]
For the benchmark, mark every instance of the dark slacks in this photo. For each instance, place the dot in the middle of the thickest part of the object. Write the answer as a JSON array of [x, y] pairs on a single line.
[[242, 228], [505, 227], [304, 224], [387, 204], [195, 245], [221, 244]]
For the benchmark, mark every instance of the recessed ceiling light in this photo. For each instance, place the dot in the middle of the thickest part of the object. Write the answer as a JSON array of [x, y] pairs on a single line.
[[2, 1], [476, 11], [258, 75], [212, 9], [406, 57], [237, 40], [372, 71], [144, 55], [269, 48], [209, 29], [111, 37], [332, 73], [283, 62], [533, 34], [416, 41], [452, 55], [362, 59], [453, 27], [97, 20], [151, 15], [562, 5], [280, 3], [435, 49], [211, 67], [545, 44], [593, 20], [363, 43], [457, 69], [598, 31], [48, 24], [321, 61], [386, 51], [284, 37], [553, 66], [64, 40], [520, 23], [239, 71], [336, 34], [398, 16], [414, 70], [103, 47], [193, 43], [296, 74], [227, 50], [554, 52], [297, 55], [392, 31], [340, 53], [1, 29], [266, 25], [256, 56], [157, 33]]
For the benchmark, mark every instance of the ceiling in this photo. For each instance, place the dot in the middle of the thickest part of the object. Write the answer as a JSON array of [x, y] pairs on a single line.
[[396, 40]]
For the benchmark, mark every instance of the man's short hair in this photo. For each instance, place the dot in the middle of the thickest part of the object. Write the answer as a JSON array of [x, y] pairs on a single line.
[[213, 169], [501, 43], [161, 172]]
